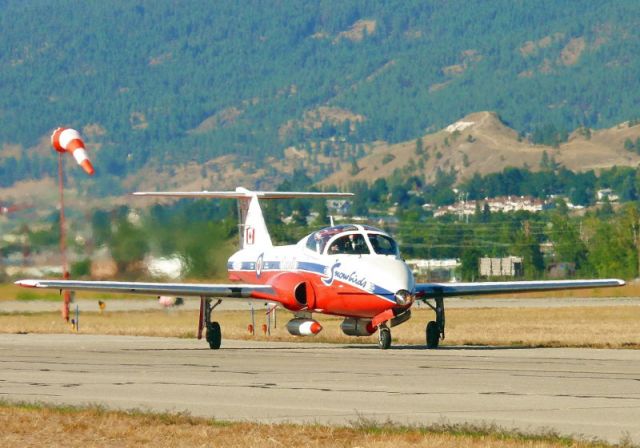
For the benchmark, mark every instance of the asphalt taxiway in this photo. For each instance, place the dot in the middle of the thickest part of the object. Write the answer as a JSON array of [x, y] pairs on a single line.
[[586, 392]]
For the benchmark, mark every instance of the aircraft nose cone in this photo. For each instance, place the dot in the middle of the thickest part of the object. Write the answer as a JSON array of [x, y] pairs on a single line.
[[395, 276]]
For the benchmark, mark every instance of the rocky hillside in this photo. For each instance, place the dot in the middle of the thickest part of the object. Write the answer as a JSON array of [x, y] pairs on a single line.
[[477, 143], [482, 143]]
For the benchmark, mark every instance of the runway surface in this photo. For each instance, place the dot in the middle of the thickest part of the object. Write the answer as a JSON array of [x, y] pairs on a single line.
[[593, 393]]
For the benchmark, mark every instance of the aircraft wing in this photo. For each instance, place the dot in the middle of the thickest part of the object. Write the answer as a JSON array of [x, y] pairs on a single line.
[[429, 290], [237, 291]]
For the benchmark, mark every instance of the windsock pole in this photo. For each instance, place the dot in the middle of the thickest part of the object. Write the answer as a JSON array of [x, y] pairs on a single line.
[[63, 239], [68, 140]]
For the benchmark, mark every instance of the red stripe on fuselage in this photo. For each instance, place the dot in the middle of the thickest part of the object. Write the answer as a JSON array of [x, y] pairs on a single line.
[[341, 299]]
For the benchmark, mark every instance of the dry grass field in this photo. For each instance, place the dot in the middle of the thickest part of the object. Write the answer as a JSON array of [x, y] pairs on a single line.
[[597, 327], [35, 425], [484, 144]]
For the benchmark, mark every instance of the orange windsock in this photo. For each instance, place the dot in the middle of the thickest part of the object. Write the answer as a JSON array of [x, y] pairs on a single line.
[[69, 140]]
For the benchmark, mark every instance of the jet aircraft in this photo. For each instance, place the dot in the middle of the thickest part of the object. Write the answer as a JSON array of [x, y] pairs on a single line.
[[350, 270]]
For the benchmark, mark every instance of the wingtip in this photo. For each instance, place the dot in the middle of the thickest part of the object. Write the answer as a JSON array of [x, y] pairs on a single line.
[[616, 282], [27, 283]]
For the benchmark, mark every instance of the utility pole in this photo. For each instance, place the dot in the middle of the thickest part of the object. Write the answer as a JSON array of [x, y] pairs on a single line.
[[466, 198]]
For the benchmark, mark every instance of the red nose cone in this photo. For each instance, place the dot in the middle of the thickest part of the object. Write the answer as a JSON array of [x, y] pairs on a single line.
[[316, 328]]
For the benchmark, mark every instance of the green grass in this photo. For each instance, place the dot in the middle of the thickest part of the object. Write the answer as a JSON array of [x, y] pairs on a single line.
[[29, 296]]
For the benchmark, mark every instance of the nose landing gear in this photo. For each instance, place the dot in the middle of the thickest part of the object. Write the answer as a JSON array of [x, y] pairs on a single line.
[[386, 319], [384, 337]]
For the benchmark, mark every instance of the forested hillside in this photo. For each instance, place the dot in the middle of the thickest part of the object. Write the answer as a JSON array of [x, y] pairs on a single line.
[[160, 84]]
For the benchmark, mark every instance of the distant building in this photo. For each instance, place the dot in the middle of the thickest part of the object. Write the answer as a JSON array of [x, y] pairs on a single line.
[[442, 270], [459, 208], [606, 194], [503, 204], [515, 204], [501, 267]]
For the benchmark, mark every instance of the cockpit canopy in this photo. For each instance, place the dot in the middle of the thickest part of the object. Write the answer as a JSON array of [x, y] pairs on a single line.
[[351, 240]]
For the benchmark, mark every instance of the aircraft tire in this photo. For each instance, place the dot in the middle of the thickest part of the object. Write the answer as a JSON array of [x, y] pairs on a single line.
[[384, 338], [214, 335], [433, 334]]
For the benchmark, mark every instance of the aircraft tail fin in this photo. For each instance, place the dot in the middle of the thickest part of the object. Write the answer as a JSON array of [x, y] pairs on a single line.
[[253, 228]]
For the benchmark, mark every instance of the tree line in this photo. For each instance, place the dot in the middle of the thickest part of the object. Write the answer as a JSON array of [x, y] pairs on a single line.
[[603, 242]]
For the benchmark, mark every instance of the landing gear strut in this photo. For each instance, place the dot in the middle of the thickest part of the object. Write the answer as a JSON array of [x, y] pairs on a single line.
[[435, 328], [214, 335]]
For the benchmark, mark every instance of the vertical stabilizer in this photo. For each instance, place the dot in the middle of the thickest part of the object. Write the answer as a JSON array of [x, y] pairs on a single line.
[[254, 228]]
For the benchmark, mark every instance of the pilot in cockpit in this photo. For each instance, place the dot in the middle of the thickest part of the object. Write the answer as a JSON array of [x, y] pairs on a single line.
[[353, 244]]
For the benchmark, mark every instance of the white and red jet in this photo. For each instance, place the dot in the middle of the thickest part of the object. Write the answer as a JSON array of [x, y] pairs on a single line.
[[353, 271]]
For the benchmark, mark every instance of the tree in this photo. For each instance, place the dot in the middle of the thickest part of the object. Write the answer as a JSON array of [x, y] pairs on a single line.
[[419, 146], [628, 190], [567, 244], [128, 246], [486, 213], [475, 187], [528, 247], [355, 169], [612, 244], [470, 259], [544, 161], [100, 227], [562, 209]]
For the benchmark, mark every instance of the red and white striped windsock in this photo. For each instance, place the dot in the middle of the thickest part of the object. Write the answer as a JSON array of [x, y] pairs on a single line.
[[69, 140]]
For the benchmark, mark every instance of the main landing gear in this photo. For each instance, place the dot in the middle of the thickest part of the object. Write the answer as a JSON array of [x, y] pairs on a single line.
[[435, 328], [214, 334]]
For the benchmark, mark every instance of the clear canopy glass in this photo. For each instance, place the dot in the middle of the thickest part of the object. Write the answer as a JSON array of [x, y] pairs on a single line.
[[351, 240]]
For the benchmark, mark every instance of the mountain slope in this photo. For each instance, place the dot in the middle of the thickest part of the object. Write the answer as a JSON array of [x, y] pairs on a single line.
[[481, 143], [165, 85]]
